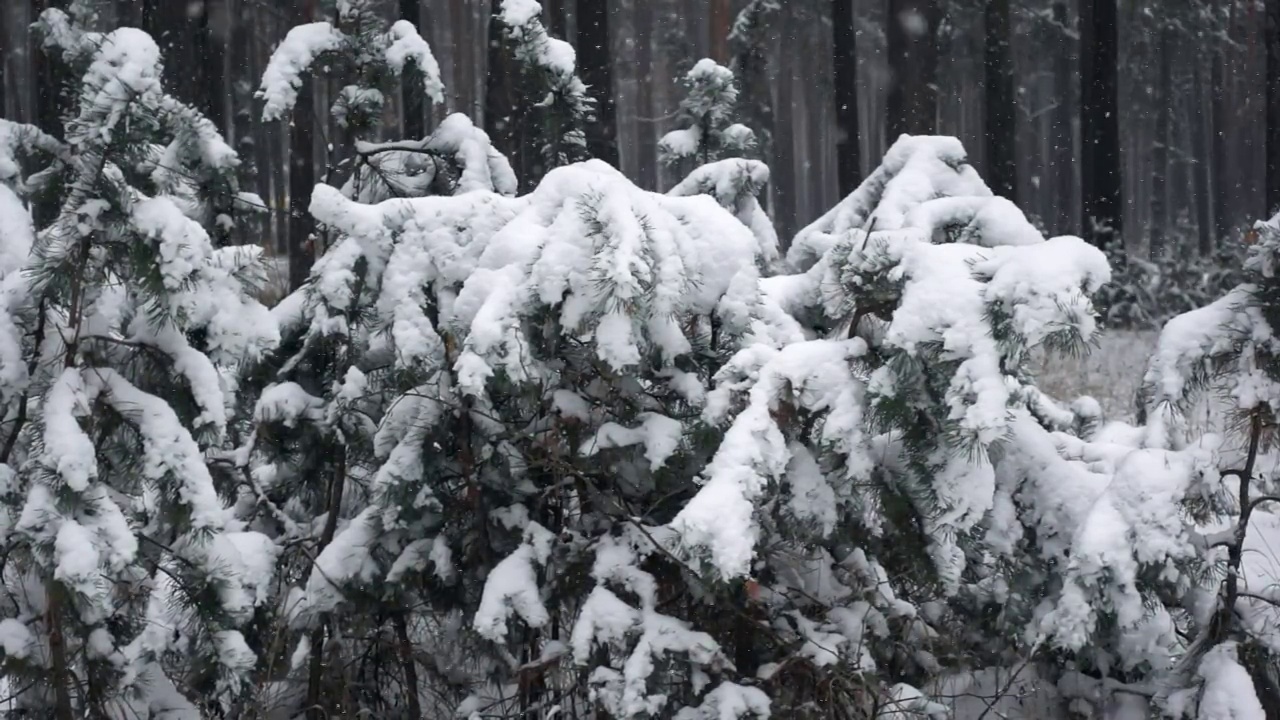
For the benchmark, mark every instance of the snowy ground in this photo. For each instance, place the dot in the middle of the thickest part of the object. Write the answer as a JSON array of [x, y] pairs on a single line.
[[1111, 373]]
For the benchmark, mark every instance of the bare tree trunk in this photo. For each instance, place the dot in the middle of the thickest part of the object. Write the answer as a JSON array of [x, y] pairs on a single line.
[[192, 55], [719, 30], [1160, 150], [1200, 174], [845, 65], [1063, 141], [4, 64], [557, 21], [595, 63], [913, 63], [1100, 120], [1272, 41], [208, 66], [1001, 119], [302, 178], [1222, 219], [647, 140]]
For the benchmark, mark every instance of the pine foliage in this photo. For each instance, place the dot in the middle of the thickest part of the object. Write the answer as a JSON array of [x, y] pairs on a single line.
[[549, 83], [591, 451], [129, 572], [706, 113], [355, 46]]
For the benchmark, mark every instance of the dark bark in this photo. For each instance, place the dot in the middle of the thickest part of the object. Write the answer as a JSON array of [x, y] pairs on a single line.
[[1160, 148], [192, 55], [127, 13], [1222, 211], [913, 61], [557, 22], [4, 65], [1001, 117], [1272, 31], [595, 67], [413, 113], [1102, 222], [845, 64], [719, 30], [207, 67], [1200, 172], [647, 142], [302, 178], [1064, 116]]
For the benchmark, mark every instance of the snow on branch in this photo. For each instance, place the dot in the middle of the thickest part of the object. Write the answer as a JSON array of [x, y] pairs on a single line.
[[301, 47]]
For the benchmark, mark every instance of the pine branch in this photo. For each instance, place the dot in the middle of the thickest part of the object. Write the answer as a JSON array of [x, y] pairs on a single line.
[[1235, 550], [21, 420]]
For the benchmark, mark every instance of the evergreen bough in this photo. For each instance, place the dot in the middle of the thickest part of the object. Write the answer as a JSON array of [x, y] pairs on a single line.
[[129, 571]]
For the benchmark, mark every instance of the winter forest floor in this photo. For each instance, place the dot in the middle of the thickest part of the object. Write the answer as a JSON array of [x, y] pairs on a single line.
[[1111, 372]]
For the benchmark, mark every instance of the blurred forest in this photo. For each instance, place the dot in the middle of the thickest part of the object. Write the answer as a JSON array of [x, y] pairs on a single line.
[[1190, 91]]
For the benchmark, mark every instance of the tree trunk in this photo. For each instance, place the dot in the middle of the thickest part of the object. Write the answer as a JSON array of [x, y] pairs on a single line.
[[1001, 119], [1200, 172], [845, 63], [302, 174], [126, 13], [1160, 149], [413, 112], [719, 30], [913, 66], [207, 67], [1064, 166], [4, 66], [1100, 125], [1273, 106], [557, 22], [647, 140], [595, 62], [1222, 211], [192, 56]]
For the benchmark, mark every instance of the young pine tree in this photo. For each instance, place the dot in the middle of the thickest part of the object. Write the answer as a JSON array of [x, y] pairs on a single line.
[[356, 47], [706, 114], [551, 106], [312, 454], [129, 572], [512, 387], [714, 149]]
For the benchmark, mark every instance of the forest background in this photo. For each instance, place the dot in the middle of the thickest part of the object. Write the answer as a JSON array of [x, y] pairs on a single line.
[[1179, 167]]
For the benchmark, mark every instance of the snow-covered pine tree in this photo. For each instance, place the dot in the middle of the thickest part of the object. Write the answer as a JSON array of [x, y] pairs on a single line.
[[354, 46], [707, 131], [736, 184], [1228, 351], [311, 454], [128, 573], [515, 405], [912, 513], [552, 99], [714, 150], [748, 40]]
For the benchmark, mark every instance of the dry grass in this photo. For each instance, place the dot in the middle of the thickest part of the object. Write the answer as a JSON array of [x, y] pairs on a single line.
[[1111, 372]]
